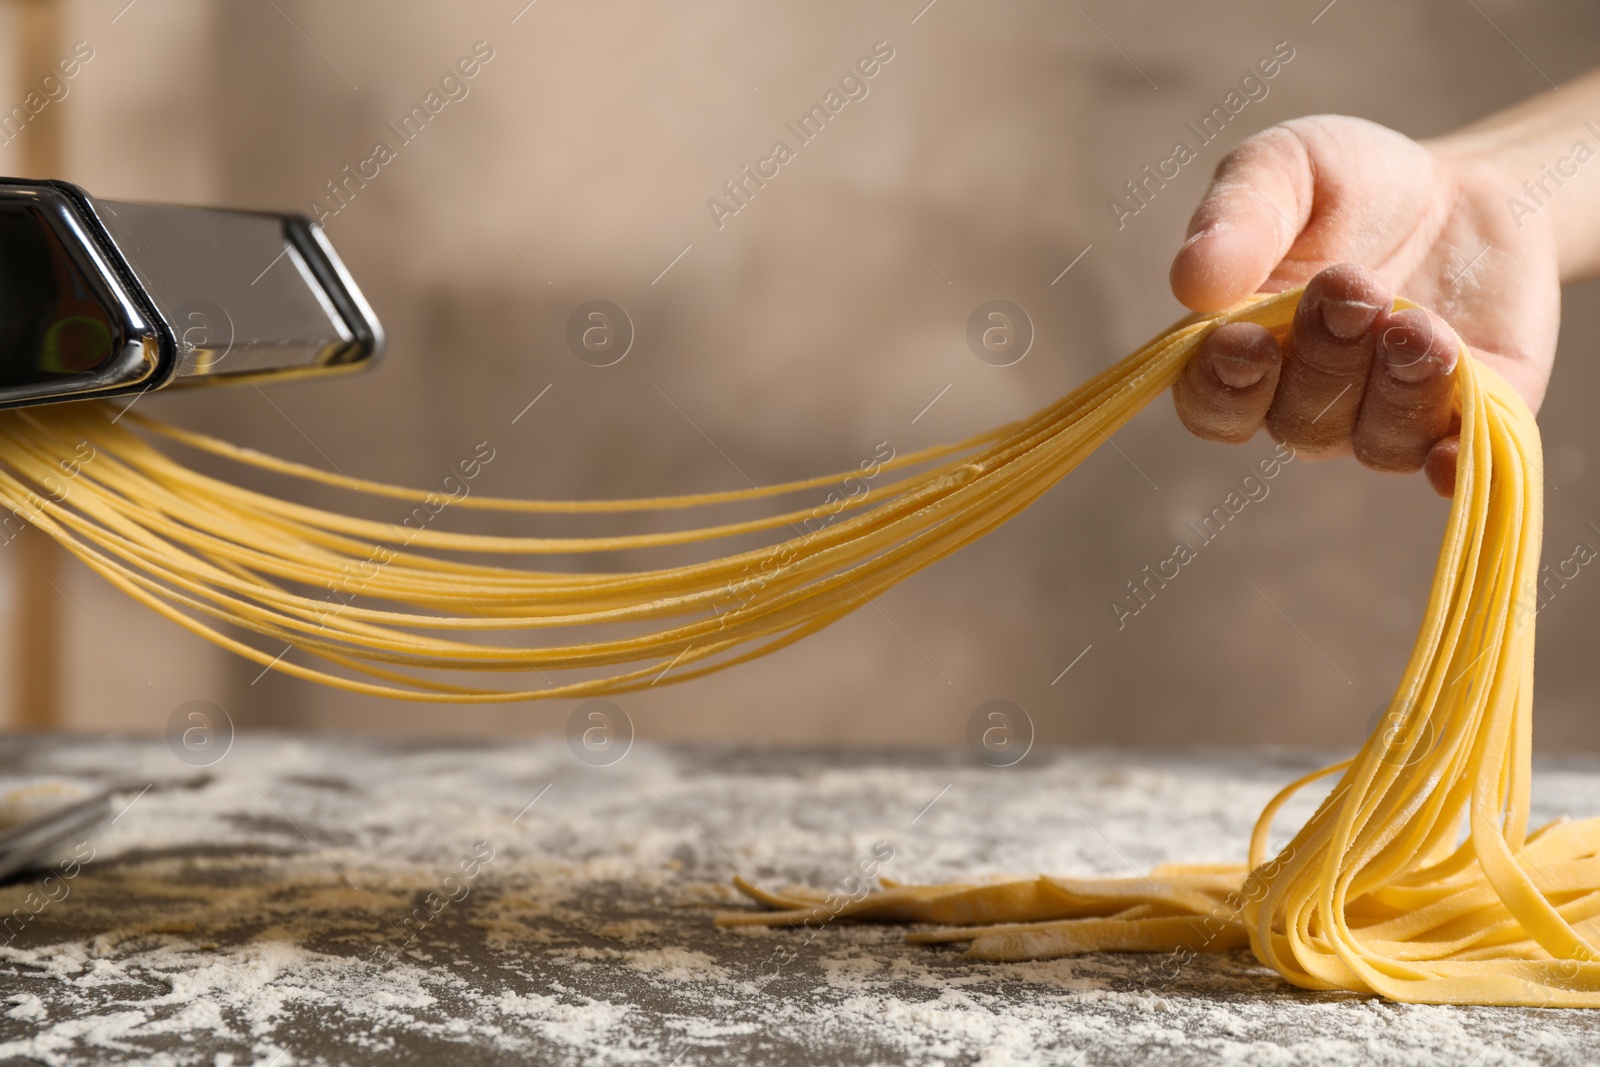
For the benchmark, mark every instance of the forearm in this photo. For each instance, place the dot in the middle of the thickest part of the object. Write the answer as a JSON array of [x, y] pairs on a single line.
[[1549, 148]]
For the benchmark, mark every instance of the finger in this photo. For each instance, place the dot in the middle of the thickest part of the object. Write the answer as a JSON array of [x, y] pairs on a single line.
[[1406, 408], [1327, 359], [1259, 201], [1224, 392], [1441, 465]]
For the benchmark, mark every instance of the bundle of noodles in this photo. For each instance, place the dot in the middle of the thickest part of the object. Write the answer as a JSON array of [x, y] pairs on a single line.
[[1378, 892], [218, 558]]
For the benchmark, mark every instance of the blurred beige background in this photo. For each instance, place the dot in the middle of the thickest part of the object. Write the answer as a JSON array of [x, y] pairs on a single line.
[[821, 319]]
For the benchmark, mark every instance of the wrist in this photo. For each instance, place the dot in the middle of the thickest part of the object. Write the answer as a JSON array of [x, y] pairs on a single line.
[[1534, 192]]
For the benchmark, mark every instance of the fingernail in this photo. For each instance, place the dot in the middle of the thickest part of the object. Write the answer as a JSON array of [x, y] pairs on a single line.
[[1207, 233], [1412, 359], [1237, 373], [1347, 319]]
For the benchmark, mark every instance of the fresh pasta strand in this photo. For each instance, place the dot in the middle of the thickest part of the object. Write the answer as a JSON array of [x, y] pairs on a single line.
[[1378, 892]]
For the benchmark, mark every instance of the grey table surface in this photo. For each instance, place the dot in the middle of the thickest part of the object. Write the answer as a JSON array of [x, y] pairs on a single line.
[[278, 913]]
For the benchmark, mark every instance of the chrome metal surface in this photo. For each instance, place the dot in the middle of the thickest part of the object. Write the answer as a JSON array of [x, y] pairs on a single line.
[[167, 295]]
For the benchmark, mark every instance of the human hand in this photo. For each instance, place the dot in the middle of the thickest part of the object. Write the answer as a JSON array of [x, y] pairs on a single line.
[[1357, 212]]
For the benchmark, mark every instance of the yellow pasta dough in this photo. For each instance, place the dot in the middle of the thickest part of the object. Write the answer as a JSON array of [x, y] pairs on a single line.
[[1379, 892]]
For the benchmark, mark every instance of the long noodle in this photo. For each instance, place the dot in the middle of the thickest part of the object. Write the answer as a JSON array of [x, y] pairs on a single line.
[[1378, 892]]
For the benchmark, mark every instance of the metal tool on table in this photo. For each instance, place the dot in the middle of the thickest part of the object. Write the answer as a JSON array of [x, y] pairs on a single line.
[[24, 845], [102, 298]]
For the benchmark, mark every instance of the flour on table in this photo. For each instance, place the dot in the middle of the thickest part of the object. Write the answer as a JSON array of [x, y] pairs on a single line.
[[279, 914]]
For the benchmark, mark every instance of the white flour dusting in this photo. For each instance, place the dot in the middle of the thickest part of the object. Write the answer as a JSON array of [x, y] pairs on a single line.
[[279, 915]]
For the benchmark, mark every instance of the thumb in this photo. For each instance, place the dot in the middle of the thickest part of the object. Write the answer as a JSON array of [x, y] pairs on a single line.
[[1259, 200]]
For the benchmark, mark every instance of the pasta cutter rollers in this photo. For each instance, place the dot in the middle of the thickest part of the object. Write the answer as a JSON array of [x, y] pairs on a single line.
[[102, 298]]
